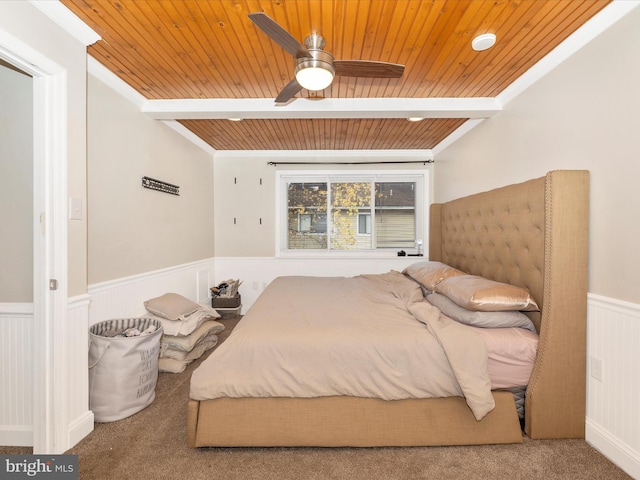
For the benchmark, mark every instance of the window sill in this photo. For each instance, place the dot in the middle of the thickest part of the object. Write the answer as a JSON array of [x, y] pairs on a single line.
[[348, 255]]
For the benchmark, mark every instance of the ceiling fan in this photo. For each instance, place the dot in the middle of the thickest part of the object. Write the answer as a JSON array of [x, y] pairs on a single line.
[[315, 68]]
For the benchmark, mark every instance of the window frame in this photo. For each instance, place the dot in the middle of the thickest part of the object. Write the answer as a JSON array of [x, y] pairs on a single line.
[[423, 200]]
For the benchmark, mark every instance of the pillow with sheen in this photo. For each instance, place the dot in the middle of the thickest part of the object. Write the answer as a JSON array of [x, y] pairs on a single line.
[[480, 294]]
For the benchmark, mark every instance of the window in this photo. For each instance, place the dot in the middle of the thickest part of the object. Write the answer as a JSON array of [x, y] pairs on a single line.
[[364, 224], [304, 222], [363, 211]]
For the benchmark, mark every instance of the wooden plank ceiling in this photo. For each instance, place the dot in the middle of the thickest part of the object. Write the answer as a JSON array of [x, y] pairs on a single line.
[[203, 49]]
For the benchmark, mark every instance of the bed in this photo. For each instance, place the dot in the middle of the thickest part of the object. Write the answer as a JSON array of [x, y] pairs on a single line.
[[532, 235]]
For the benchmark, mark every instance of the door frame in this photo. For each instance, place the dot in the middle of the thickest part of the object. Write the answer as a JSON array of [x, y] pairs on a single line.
[[50, 423]]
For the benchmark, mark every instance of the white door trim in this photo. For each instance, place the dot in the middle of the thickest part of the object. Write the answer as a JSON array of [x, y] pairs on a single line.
[[50, 241]]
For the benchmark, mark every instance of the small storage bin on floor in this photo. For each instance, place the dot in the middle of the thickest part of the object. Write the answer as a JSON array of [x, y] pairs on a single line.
[[226, 302], [123, 371]]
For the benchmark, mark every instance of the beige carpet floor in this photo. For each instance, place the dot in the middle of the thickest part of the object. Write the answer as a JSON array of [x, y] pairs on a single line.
[[152, 445]]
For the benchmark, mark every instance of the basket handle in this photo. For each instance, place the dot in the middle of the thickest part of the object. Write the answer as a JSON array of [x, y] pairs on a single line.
[[101, 355]]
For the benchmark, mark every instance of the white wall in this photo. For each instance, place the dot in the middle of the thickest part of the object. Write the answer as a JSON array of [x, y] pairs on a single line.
[[16, 194], [244, 206], [582, 115], [245, 192], [132, 229]]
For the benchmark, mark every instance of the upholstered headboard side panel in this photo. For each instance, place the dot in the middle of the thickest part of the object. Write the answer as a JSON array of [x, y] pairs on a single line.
[[559, 374], [533, 234]]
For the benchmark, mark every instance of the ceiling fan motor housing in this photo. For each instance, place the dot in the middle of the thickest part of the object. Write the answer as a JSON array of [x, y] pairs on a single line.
[[318, 59]]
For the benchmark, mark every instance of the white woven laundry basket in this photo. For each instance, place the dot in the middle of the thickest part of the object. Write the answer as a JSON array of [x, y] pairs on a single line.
[[123, 371]]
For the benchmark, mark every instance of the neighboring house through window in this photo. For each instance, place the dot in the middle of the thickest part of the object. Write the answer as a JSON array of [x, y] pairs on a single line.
[[351, 211]]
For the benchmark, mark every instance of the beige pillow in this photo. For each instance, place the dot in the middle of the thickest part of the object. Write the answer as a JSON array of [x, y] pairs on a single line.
[[171, 306], [171, 365], [429, 274], [186, 343], [202, 346], [478, 293], [182, 328]]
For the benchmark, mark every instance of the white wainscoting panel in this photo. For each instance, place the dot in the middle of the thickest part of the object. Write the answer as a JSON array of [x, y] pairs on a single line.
[[16, 374], [124, 297], [257, 272], [204, 283], [613, 399], [79, 417]]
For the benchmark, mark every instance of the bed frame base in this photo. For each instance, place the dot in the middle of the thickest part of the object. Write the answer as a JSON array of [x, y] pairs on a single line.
[[348, 422]]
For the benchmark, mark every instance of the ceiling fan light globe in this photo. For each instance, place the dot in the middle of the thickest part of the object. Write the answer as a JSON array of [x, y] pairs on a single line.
[[315, 72], [314, 78]]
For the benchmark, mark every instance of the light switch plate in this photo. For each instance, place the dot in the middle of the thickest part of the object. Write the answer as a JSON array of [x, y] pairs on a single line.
[[596, 369], [75, 209]]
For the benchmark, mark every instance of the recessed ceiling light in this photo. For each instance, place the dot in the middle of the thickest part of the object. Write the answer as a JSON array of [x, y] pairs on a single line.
[[483, 42], [415, 119], [234, 119]]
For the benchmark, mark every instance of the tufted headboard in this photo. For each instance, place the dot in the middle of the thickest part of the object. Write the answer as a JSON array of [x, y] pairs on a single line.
[[534, 235]]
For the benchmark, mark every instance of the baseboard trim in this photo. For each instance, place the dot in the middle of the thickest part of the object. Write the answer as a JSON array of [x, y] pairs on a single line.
[[16, 436], [612, 448], [80, 428]]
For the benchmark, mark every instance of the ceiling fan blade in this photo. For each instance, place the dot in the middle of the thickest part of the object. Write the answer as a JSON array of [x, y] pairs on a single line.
[[279, 35], [368, 69], [289, 91]]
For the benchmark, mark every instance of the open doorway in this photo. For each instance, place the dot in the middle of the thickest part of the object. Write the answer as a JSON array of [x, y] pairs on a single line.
[[16, 194], [33, 415], [16, 253]]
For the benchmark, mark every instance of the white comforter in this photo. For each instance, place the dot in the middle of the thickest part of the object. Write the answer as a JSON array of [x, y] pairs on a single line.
[[365, 336]]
